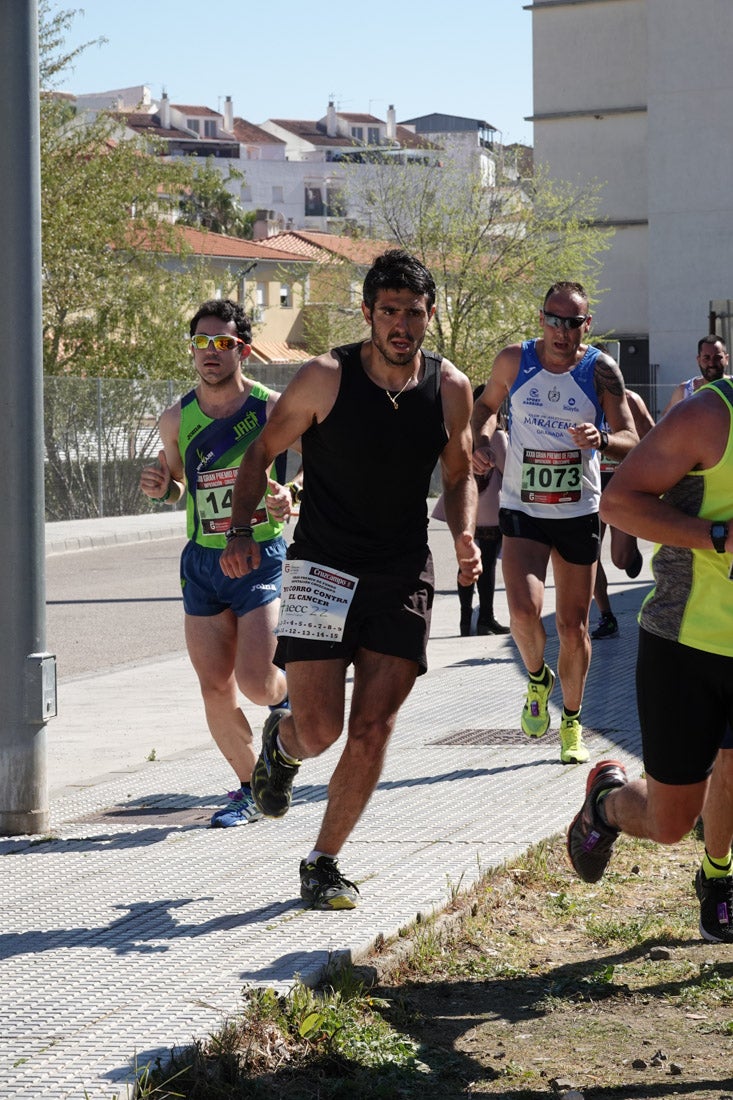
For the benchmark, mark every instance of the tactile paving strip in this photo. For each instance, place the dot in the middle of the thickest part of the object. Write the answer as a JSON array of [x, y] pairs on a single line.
[[131, 928]]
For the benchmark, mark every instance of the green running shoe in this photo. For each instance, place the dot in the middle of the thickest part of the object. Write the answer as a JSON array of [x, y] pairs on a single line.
[[535, 716], [573, 749]]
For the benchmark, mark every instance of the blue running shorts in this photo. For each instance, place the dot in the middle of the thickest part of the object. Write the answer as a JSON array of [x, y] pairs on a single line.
[[207, 591]]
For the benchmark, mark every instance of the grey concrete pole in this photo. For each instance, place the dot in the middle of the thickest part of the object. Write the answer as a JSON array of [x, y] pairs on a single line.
[[27, 673]]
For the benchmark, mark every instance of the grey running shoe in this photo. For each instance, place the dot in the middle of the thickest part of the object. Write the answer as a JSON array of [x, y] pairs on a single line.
[[535, 715], [590, 841], [322, 886], [272, 778], [240, 810], [607, 628], [716, 907]]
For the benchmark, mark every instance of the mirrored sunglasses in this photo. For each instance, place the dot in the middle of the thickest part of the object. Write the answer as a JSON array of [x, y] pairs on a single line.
[[222, 342], [555, 321]]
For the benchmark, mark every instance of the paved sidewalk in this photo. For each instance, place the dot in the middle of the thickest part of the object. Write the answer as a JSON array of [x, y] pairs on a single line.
[[132, 927]]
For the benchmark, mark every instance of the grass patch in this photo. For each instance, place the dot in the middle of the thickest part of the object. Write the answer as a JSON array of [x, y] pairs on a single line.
[[533, 982]]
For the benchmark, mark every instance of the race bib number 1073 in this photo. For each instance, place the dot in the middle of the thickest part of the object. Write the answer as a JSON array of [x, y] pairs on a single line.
[[551, 477]]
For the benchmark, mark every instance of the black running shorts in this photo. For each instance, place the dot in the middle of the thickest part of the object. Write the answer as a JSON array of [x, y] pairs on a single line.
[[685, 702], [577, 540], [388, 614]]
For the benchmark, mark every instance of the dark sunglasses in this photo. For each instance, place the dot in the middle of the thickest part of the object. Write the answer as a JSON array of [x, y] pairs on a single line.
[[555, 321]]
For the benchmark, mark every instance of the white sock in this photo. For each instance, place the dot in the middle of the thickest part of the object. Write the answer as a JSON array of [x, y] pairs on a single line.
[[313, 856]]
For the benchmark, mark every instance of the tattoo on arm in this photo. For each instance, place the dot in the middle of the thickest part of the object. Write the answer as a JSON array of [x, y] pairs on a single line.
[[607, 376]]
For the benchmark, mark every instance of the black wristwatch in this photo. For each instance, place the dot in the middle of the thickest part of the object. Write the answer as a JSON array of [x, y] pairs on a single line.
[[603, 445], [236, 532], [718, 536]]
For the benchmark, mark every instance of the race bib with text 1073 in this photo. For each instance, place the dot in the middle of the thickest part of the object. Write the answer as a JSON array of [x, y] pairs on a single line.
[[552, 477], [315, 601]]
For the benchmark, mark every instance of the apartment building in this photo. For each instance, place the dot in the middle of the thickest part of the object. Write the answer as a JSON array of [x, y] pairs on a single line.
[[638, 95], [294, 169]]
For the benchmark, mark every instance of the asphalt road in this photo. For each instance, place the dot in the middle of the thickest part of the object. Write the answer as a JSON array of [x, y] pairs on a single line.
[[114, 606], [121, 605]]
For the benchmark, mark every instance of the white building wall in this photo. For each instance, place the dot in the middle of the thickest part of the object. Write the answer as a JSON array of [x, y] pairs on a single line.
[[588, 54], [590, 128], [690, 173], [668, 164]]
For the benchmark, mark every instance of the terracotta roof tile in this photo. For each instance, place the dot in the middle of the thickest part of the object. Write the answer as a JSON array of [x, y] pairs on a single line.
[[193, 110], [150, 124], [309, 130], [410, 140], [248, 132], [204, 243], [359, 118], [277, 351], [312, 245]]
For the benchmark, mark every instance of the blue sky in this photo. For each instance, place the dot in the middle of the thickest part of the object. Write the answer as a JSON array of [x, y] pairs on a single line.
[[468, 57]]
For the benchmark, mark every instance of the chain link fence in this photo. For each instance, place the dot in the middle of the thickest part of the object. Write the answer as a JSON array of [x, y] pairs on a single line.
[[100, 432]]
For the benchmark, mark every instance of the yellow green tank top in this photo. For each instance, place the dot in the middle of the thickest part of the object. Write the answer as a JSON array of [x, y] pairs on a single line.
[[692, 599], [212, 451]]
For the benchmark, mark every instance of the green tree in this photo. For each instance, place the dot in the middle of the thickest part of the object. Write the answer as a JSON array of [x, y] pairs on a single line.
[[493, 251], [118, 288], [333, 314], [209, 204]]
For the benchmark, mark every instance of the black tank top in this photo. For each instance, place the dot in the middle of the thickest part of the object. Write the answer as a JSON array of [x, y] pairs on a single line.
[[367, 470]]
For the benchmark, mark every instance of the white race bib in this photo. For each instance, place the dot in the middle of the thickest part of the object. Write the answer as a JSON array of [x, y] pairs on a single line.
[[315, 601]]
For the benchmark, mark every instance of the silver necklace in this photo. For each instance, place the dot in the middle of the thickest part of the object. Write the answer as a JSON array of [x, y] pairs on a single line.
[[394, 399]]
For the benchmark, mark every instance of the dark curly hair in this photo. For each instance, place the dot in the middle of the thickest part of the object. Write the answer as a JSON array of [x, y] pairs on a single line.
[[398, 270], [226, 310]]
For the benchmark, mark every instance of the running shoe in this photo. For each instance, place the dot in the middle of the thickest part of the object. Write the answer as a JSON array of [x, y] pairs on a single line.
[[272, 778], [535, 716], [490, 626], [634, 569], [240, 810], [573, 749], [322, 886], [607, 627], [716, 907], [590, 841]]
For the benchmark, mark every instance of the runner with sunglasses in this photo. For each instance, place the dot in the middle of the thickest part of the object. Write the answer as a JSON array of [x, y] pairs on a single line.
[[229, 625], [560, 391]]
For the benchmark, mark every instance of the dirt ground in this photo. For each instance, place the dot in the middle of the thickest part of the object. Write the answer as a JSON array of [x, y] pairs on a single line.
[[538, 984]]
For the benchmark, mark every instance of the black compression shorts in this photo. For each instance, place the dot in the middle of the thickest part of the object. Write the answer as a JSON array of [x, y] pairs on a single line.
[[577, 540], [685, 702]]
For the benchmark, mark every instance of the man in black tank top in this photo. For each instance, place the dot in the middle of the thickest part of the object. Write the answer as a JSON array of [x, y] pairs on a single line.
[[374, 418]]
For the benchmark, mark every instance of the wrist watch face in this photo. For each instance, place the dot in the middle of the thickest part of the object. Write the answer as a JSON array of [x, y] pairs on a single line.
[[718, 534]]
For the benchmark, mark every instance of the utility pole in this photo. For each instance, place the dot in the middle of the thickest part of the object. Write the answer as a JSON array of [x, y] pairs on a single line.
[[27, 672]]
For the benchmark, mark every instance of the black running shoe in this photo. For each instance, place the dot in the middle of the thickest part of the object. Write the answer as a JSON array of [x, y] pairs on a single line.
[[634, 569], [607, 627], [272, 778], [716, 907], [490, 626], [590, 841], [322, 886]]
